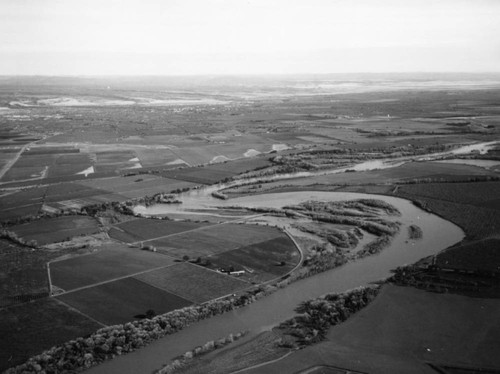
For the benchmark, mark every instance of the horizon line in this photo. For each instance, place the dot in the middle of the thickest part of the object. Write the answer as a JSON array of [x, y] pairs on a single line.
[[248, 74]]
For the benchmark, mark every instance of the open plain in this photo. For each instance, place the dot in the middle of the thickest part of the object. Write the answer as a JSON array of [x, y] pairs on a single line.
[[132, 212]]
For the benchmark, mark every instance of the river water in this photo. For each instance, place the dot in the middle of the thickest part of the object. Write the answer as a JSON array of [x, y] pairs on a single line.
[[438, 234]]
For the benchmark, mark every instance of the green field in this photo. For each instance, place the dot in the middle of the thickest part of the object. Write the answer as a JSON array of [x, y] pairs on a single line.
[[23, 274], [214, 239], [265, 260], [137, 185], [483, 255], [30, 328], [472, 206], [402, 331], [484, 194], [120, 301], [193, 282], [143, 229], [243, 233], [111, 262], [52, 230], [193, 244]]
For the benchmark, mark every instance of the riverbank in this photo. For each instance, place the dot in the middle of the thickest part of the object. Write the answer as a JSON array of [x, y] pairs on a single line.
[[279, 306]]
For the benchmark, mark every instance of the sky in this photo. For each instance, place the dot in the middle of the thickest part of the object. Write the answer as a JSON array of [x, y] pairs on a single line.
[[191, 37]]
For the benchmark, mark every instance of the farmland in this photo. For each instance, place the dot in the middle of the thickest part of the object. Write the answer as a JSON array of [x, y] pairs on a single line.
[[473, 206], [122, 300], [389, 342], [38, 326], [270, 259], [111, 262], [75, 163], [193, 282], [146, 229], [53, 230], [23, 274]]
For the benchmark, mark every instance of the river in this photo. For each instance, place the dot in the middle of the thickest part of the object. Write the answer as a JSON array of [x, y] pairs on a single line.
[[438, 234]]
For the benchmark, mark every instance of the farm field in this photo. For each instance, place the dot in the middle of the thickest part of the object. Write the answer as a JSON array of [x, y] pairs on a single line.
[[213, 173], [52, 230], [193, 282], [30, 328], [402, 331], [264, 253], [267, 259], [23, 274], [136, 185], [112, 261], [243, 233], [483, 255], [120, 301], [477, 214], [411, 171], [485, 194], [102, 141], [192, 244], [144, 229]]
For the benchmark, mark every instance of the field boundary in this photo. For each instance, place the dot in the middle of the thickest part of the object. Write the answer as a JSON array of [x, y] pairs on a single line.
[[296, 267], [114, 280], [164, 290], [263, 363], [80, 312], [206, 227], [49, 278]]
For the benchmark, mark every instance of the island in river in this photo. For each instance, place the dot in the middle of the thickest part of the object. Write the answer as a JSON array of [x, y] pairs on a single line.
[[117, 268]]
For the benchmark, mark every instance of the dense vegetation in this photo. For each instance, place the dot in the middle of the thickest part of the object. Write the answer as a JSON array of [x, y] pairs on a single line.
[[318, 315]]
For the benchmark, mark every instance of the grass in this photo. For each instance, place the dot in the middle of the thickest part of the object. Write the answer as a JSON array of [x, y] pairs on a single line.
[[106, 264], [23, 273], [68, 191], [199, 175], [193, 244], [401, 331], [243, 234], [22, 173], [143, 229], [236, 357], [137, 185], [193, 282], [268, 259], [481, 194], [31, 328], [483, 255], [477, 222], [52, 230], [121, 300]]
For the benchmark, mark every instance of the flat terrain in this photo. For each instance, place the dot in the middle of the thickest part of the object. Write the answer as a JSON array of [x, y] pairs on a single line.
[[268, 259], [402, 331], [23, 274], [120, 301], [483, 256], [52, 230], [472, 206], [70, 143], [37, 326], [143, 229], [193, 282], [111, 262]]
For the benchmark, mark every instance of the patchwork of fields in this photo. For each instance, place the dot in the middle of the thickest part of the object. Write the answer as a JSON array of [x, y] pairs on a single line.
[[39, 326], [59, 158], [117, 283]]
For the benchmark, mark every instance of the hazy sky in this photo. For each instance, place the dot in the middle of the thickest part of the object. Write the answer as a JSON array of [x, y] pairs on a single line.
[[79, 37]]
